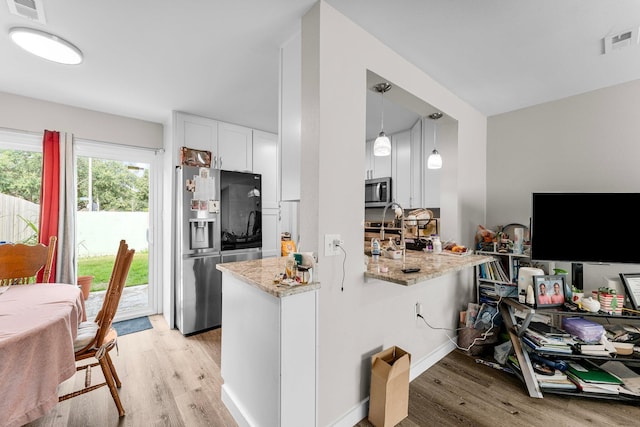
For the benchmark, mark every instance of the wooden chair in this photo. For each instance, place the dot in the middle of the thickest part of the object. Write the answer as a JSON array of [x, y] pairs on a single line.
[[20, 263], [95, 339]]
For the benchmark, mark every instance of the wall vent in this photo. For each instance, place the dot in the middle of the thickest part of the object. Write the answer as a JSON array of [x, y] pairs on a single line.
[[30, 9], [613, 42]]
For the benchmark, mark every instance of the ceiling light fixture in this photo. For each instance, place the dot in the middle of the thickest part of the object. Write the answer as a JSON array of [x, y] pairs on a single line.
[[382, 145], [435, 159], [46, 45]]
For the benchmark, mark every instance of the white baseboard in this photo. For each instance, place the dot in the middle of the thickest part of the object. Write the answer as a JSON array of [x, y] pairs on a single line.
[[234, 408], [361, 411]]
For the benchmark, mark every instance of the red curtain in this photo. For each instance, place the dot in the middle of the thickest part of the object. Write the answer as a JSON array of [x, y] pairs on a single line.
[[50, 192]]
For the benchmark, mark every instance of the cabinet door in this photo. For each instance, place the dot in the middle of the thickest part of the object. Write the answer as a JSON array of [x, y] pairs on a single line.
[[368, 160], [290, 117], [196, 132], [381, 166], [416, 164], [265, 162], [401, 173], [270, 232], [234, 147]]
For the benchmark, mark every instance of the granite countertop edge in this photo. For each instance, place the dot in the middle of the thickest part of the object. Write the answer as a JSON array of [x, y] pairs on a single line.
[[260, 274], [431, 266]]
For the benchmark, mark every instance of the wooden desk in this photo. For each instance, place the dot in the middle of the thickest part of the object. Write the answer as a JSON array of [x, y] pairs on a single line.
[[38, 324]]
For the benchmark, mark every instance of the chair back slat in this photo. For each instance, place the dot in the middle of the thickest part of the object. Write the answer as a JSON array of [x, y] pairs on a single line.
[[116, 285], [20, 263]]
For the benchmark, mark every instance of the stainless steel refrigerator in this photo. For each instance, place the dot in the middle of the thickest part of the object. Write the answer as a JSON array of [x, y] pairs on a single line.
[[218, 217]]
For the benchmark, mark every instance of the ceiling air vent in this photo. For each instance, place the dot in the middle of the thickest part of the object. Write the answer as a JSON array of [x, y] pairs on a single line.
[[30, 9], [620, 40]]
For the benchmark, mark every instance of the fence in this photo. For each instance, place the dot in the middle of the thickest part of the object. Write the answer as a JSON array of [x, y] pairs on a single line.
[[12, 228], [99, 233]]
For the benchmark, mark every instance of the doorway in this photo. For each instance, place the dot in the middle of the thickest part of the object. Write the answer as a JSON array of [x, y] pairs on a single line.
[[115, 201]]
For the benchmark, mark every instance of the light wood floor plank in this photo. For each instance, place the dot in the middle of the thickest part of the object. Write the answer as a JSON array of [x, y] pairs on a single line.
[[174, 381]]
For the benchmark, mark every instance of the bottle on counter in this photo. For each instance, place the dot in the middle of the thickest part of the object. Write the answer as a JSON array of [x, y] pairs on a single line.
[[437, 244], [375, 249]]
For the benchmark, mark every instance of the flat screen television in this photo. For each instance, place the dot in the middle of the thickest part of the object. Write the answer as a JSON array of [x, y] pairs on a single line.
[[585, 227]]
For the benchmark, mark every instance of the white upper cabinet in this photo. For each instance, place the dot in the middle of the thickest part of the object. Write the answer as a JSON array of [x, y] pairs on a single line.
[[376, 166], [196, 132], [417, 165], [265, 162], [290, 117], [401, 177], [235, 148]]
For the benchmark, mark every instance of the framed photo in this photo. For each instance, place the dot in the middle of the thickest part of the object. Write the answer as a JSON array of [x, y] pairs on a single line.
[[549, 290], [631, 283]]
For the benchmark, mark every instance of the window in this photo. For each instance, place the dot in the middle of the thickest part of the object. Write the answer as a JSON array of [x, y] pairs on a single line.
[[20, 178]]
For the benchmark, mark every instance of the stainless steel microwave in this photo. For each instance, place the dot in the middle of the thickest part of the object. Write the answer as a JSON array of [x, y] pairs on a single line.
[[377, 192]]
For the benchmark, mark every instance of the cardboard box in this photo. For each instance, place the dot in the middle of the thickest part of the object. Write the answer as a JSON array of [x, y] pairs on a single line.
[[389, 396]]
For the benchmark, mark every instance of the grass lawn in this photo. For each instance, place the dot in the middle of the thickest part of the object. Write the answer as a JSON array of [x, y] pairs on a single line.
[[100, 268]]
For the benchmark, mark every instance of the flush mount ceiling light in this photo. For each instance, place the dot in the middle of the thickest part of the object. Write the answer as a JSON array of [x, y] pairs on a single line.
[[46, 45], [435, 159], [382, 145]]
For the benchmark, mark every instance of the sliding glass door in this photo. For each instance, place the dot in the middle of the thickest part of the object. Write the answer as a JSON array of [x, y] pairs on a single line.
[[115, 201]]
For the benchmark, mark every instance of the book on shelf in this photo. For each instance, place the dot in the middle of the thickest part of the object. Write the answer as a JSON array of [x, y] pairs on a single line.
[[630, 379], [590, 387], [559, 348], [604, 347], [591, 373], [548, 330]]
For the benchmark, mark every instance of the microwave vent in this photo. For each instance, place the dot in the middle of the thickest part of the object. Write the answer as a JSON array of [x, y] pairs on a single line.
[[29, 9]]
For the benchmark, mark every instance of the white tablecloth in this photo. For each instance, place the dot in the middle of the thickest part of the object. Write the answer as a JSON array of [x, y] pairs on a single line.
[[38, 324]]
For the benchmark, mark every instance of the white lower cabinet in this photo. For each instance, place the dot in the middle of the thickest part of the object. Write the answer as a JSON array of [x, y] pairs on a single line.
[[268, 355]]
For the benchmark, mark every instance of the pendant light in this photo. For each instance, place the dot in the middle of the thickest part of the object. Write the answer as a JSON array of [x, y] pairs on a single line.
[[382, 145], [435, 159]]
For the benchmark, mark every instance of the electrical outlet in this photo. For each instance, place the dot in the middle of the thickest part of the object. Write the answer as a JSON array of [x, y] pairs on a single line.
[[418, 309], [330, 246]]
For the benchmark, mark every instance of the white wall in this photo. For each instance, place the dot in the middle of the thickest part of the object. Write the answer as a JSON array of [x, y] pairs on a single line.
[[34, 115], [370, 315], [587, 142]]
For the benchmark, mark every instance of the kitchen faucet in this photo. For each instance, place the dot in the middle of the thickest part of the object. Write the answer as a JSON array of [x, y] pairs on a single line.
[[401, 215]]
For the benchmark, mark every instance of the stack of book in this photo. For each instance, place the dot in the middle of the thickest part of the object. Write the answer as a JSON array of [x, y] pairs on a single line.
[[603, 347], [549, 378], [493, 270], [548, 342], [590, 378]]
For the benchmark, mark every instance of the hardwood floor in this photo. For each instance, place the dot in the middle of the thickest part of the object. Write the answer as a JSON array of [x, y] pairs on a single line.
[[167, 380], [171, 380], [457, 391]]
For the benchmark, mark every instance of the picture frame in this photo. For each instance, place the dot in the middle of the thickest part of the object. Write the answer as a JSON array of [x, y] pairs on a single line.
[[631, 282], [549, 290]]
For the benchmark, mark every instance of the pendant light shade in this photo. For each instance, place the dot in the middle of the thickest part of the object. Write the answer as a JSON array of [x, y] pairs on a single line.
[[435, 159], [382, 144]]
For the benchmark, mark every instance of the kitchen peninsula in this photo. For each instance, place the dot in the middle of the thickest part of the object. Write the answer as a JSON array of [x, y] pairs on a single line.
[[268, 360], [431, 266]]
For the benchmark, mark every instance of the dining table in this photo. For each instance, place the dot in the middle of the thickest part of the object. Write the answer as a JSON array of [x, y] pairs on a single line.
[[38, 324]]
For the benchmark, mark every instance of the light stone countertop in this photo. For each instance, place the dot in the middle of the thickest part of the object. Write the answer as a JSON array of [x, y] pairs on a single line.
[[261, 272], [431, 266]]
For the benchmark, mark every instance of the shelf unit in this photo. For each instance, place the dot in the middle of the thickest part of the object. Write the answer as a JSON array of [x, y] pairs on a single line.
[[508, 307], [508, 262]]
